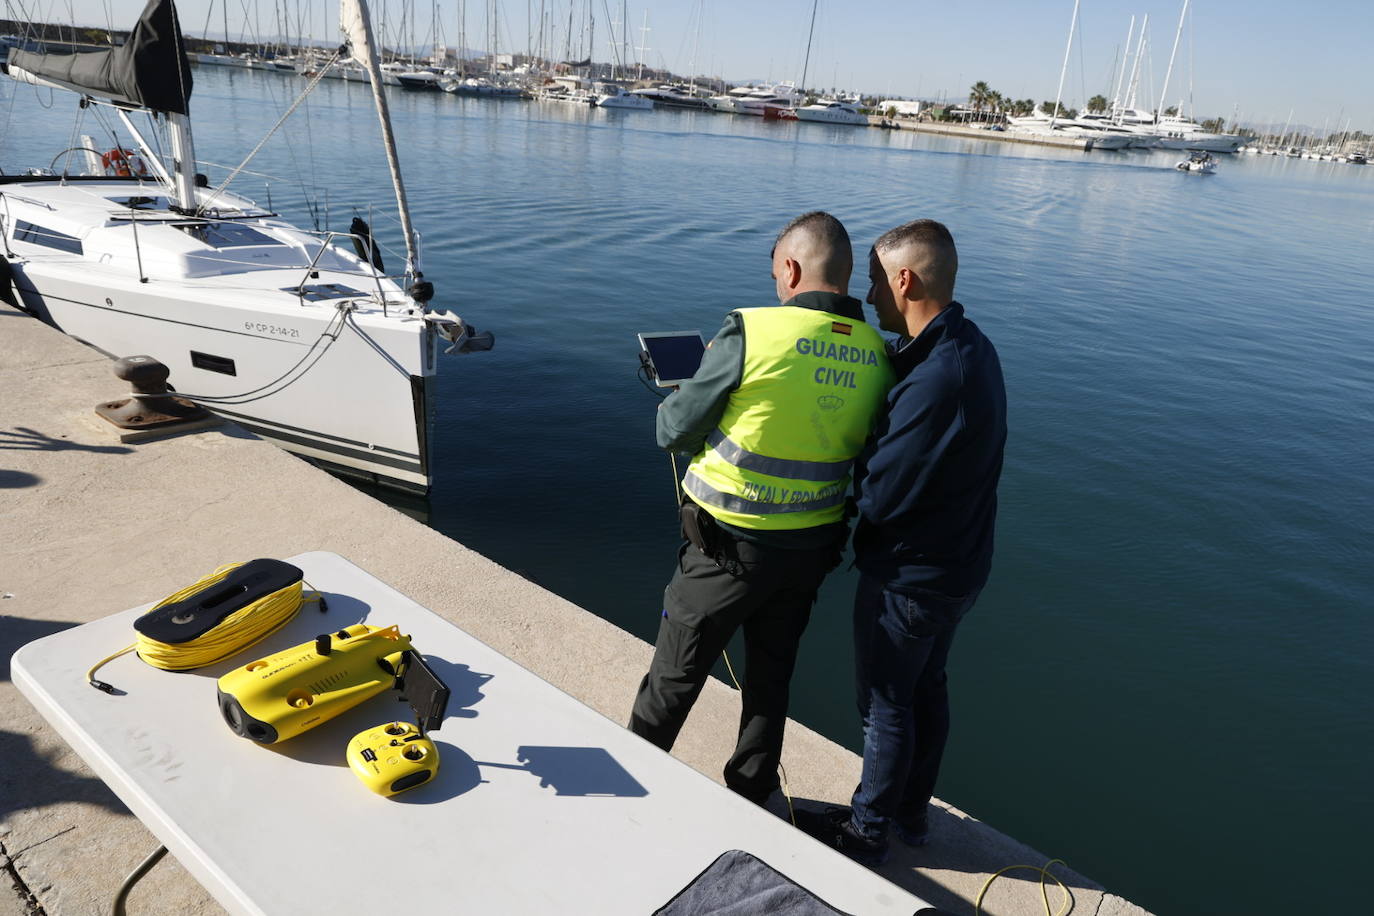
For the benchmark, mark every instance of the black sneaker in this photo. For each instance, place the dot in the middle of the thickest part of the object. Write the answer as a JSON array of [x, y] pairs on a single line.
[[834, 826]]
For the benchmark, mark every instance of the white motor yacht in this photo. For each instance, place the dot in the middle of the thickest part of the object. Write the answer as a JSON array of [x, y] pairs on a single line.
[[1045, 125], [302, 337], [760, 101], [1184, 134], [480, 86], [612, 96], [727, 103], [673, 96], [833, 111]]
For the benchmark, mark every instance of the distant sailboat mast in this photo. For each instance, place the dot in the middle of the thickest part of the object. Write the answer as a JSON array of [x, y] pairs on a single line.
[[1059, 93], [806, 64], [1121, 77], [1168, 74]]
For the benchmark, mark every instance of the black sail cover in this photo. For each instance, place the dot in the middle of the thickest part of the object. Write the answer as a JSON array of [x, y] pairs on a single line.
[[150, 70]]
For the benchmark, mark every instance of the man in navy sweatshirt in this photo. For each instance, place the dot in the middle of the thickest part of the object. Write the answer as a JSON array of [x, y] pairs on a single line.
[[926, 487]]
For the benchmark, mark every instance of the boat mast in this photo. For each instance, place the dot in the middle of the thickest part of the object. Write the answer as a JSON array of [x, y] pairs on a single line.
[[1059, 93], [1121, 77], [806, 64], [1135, 67], [1168, 74], [644, 44], [356, 23], [179, 133]]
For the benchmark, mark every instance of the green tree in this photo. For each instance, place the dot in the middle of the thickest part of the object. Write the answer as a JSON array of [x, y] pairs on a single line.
[[1214, 125], [1171, 111], [1098, 104], [978, 95]]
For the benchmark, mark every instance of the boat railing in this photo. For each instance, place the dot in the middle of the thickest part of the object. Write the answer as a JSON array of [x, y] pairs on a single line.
[[326, 238], [325, 245]]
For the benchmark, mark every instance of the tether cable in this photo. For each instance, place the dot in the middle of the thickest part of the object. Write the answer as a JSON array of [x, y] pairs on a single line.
[[1045, 872], [234, 633]]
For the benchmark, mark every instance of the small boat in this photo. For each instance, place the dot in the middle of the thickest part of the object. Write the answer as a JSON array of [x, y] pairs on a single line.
[[418, 80], [480, 86], [673, 95], [834, 111], [611, 96], [1200, 161]]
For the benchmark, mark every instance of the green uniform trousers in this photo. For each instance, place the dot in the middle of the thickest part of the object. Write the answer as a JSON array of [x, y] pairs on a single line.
[[768, 592]]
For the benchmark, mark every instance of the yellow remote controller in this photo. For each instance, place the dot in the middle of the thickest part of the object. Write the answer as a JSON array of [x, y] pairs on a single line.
[[393, 757]]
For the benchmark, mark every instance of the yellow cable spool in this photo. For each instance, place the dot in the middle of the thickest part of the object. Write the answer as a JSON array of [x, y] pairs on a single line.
[[223, 613]]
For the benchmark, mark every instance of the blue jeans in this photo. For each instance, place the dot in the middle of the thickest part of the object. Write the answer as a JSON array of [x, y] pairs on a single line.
[[901, 644]]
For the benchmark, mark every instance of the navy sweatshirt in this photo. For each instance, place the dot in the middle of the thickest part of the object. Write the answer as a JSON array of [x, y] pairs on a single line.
[[926, 484]]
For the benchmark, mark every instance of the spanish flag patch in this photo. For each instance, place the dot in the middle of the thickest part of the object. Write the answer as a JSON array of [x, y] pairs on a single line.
[[840, 328]]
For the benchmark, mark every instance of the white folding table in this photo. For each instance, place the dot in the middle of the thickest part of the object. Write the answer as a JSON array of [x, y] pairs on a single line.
[[541, 804]]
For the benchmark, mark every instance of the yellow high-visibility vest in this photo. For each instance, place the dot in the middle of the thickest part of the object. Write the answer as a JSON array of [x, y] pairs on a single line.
[[781, 455]]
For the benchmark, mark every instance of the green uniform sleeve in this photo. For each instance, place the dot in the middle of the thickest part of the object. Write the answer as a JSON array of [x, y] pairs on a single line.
[[689, 414]]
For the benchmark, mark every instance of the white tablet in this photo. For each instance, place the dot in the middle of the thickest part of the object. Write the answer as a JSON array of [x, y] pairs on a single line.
[[673, 355]]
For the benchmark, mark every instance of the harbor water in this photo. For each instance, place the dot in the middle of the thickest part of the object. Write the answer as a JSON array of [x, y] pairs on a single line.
[[1167, 681]]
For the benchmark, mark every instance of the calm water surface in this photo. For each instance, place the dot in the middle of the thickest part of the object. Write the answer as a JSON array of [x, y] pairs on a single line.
[[1167, 682]]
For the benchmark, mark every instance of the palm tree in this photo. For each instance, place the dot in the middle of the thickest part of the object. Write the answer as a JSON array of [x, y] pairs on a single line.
[[1098, 103], [978, 95], [995, 102]]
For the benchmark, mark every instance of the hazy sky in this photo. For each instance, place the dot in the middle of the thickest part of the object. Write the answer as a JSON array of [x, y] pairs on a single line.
[[1260, 57]]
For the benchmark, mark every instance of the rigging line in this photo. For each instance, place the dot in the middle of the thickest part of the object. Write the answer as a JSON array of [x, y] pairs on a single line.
[[71, 143], [352, 323], [249, 158], [245, 398]]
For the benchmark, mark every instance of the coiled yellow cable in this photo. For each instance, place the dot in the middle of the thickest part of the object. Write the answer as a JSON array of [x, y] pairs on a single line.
[[234, 633]]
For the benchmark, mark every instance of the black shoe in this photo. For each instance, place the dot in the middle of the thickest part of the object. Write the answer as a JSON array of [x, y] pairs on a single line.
[[834, 826]]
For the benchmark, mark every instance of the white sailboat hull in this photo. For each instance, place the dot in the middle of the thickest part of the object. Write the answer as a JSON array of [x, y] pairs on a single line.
[[350, 408]]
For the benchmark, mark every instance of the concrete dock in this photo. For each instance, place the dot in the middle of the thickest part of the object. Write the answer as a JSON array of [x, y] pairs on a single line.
[[92, 526]]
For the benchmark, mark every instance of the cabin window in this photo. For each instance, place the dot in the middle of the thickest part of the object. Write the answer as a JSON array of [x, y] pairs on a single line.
[[226, 235], [37, 235]]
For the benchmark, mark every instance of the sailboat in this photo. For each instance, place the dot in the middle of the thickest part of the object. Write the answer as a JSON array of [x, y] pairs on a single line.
[[300, 336]]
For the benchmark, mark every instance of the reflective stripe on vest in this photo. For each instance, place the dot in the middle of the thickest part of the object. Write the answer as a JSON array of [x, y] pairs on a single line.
[[811, 384], [777, 467], [705, 494]]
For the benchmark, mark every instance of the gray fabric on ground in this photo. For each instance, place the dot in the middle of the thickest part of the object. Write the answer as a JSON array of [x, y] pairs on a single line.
[[738, 884]]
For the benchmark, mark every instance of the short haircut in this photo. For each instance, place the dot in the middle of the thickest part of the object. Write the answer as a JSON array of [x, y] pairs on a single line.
[[927, 248], [827, 236]]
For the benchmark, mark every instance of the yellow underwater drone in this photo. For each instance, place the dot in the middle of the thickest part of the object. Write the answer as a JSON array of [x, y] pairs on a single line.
[[272, 699]]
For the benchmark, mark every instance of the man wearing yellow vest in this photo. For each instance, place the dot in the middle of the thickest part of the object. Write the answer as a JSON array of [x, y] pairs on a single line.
[[782, 403]]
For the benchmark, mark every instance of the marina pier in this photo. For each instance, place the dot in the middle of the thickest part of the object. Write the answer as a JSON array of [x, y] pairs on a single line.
[[94, 526]]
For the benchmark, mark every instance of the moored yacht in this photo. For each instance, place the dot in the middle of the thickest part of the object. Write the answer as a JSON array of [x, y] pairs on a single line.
[[776, 98], [833, 111], [610, 95], [671, 95], [302, 337], [1180, 133], [727, 103]]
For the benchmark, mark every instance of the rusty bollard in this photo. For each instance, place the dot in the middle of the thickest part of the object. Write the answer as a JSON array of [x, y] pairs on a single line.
[[152, 406]]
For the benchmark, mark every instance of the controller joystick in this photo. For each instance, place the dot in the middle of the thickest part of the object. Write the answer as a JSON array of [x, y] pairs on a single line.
[[392, 758]]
